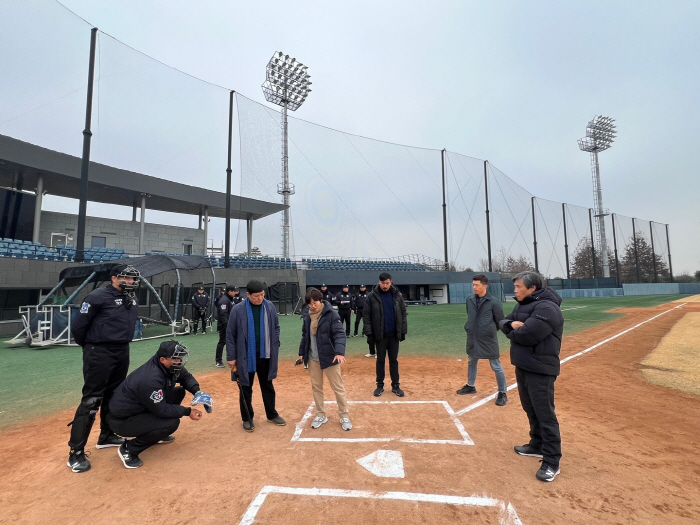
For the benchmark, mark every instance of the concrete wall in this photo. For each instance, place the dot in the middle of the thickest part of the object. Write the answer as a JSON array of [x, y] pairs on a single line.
[[661, 288], [122, 234], [591, 292]]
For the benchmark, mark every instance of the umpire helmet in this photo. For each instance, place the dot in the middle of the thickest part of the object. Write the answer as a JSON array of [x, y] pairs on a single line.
[[176, 351], [121, 271]]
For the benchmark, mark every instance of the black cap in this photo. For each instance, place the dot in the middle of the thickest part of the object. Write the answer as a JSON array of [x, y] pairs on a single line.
[[362, 286], [346, 286], [200, 287], [323, 286], [117, 269], [167, 348], [231, 288]]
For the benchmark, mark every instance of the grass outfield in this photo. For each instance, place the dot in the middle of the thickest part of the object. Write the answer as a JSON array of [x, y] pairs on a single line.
[[42, 381]]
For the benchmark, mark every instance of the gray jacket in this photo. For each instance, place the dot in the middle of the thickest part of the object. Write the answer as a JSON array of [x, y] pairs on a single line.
[[482, 327]]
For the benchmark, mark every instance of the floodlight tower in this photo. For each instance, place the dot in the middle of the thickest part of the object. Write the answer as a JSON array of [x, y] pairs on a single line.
[[287, 85], [600, 134]]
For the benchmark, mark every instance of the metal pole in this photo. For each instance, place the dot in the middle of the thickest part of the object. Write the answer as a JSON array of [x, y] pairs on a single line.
[[566, 242], [206, 228], [249, 234], [488, 224], [617, 260], [227, 249], [636, 255], [77, 290], [653, 253], [85, 167], [37, 208], [444, 209], [668, 245], [285, 188], [590, 221], [53, 291], [142, 234], [534, 233], [600, 215]]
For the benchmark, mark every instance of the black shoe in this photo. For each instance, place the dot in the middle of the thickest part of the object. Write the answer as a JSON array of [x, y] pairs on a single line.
[[396, 390], [277, 421], [528, 450], [547, 472], [129, 460], [109, 440], [219, 364], [466, 389], [502, 399], [378, 391], [78, 461], [248, 426], [166, 440]]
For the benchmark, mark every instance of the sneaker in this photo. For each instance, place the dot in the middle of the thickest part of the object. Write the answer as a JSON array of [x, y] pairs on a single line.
[[109, 440], [396, 390], [204, 333], [466, 389], [166, 440], [378, 391], [248, 426], [306, 366], [318, 421], [502, 399], [547, 472], [528, 450], [369, 355], [78, 461], [354, 335], [219, 364], [277, 420], [129, 460], [194, 333], [345, 423]]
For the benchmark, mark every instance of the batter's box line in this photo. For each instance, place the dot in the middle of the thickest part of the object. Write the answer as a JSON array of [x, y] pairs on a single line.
[[507, 514], [466, 440]]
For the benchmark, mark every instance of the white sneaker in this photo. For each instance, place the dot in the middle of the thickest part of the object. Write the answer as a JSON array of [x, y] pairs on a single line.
[[345, 423], [370, 355], [319, 420]]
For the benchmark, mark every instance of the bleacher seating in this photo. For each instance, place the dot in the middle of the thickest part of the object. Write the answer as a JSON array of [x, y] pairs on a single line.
[[357, 264], [66, 253]]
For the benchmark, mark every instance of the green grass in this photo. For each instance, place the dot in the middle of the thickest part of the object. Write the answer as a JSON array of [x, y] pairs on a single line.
[[42, 381]]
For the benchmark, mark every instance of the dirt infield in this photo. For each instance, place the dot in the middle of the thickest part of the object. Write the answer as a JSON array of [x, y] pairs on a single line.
[[630, 451]]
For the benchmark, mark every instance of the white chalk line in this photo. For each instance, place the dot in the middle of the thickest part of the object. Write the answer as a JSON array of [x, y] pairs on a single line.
[[466, 440], [507, 514], [573, 308], [514, 385]]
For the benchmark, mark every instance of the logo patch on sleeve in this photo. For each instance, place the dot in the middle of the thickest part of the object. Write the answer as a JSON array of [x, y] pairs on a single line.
[[223, 307], [157, 396], [84, 308], [118, 302]]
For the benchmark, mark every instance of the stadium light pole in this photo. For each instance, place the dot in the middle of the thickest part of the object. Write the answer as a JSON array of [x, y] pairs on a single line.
[[600, 134], [287, 84]]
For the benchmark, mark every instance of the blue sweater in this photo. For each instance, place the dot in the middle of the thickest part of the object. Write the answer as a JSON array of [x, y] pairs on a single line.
[[388, 304]]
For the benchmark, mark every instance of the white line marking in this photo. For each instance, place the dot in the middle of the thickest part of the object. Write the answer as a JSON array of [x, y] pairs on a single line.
[[573, 308], [493, 396], [507, 516], [466, 440]]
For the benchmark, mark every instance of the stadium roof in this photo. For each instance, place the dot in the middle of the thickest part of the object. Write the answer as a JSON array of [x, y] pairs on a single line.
[[61, 173]]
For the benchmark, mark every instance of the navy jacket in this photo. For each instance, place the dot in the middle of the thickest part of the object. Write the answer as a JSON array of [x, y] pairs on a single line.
[[145, 390], [482, 327], [330, 336], [535, 346], [223, 309], [104, 319], [373, 315], [200, 300]]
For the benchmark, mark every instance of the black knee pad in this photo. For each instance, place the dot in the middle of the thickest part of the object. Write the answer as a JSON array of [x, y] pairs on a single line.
[[90, 405]]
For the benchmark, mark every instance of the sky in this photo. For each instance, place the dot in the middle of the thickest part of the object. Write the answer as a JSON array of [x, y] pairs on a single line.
[[512, 82]]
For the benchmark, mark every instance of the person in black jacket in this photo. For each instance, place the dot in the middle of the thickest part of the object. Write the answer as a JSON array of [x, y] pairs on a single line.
[[200, 303], [384, 323], [345, 300], [236, 296], [224, 305], [216, 304], [360, 301], [146, 406], [535, 328], [104, 327], [322, 349], [327, 295]]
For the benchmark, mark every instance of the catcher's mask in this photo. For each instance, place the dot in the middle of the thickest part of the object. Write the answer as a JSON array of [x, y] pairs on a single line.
[[121, 272], [177, 352]]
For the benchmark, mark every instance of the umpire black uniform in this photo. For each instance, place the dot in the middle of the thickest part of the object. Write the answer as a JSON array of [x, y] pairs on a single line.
[[200, 303], [104, 326], [327, 295], [223, 310], [345, 306]]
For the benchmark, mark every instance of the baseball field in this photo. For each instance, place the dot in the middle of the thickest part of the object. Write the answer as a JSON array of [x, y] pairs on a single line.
[[627, 401]]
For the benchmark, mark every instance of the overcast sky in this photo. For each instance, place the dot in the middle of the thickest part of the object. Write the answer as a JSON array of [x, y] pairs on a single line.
[[511, 82]]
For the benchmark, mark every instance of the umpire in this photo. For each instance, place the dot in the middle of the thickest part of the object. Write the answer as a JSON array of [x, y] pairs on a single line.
[[345, 306], [104, 326], [223, 309], [200, 303]]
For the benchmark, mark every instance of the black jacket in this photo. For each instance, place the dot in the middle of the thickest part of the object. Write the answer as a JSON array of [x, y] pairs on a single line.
[[535, 346], [328, 296], [373, 315], [330, 336], [344, 301], [200, 300], [237, 299], [360, 300], [145, 390], [482, 327], [223, 309], [104, 319]]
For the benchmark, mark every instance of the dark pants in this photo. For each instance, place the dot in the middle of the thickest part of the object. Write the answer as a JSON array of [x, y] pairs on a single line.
[[266, 389], [196, 316], [103, 371], [358, 318], [388, 345], [537, 398], [147, 429], [221, 328], [345, 318]]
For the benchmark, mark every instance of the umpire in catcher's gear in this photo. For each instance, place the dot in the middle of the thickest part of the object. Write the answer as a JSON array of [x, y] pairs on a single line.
[[345, 303], [200, 303], [146, 406], [104, 326]]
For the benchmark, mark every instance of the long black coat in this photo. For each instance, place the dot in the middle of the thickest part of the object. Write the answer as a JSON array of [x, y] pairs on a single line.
[[373, 315], [535, 346], [482, 327], [330, 336]]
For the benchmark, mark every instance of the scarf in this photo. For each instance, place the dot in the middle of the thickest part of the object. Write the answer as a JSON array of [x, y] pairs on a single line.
[[253, 337], [314, 319]]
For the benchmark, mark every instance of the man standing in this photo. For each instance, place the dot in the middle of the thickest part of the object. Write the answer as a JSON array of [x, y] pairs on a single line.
[[104, 327], [200, 303], [223, 310], [385, 324], [237, 299], [252, 346], [345, 306], [484, 313], [535, 328], [147, 404], [360, 301], [327, 295]]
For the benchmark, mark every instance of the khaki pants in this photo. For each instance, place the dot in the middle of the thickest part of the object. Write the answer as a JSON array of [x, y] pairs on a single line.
[[336, 382]]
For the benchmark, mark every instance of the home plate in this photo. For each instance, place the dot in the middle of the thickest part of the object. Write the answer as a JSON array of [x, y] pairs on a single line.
[[384, 463]]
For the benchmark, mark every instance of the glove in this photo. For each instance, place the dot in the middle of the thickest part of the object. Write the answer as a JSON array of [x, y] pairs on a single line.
[[204, 399], [202, 311]]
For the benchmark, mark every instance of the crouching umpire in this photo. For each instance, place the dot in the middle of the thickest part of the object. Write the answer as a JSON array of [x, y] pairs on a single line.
[[146, 409]]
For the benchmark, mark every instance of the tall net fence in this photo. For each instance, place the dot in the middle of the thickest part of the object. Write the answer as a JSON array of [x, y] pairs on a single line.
[[551, 249]]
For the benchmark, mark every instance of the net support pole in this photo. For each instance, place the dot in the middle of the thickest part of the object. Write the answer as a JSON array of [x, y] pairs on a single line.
[[37, 208], [534, 233], [142, 234], [668, 245], [488, 224], [85, 165], [444, 209], [206, 229], [566, 243], [590, 221], [617, 259], [227, 235], [636, 254], [653, 252]]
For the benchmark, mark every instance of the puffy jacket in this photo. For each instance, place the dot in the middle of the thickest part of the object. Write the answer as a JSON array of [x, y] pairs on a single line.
[[344, 301], [373, 315], [223, 309], [482, 327], [535, 346], [330, 336], [145, 390], [360, 300], [104, 319]]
